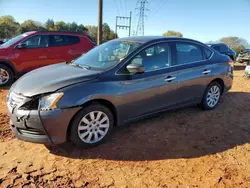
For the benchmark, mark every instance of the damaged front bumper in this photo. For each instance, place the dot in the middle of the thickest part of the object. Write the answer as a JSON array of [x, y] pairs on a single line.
[[47, 127]]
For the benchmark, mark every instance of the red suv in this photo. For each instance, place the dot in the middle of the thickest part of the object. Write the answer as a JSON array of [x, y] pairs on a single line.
[[32, 50]]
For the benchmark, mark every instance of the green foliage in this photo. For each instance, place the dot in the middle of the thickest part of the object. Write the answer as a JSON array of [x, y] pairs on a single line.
[[10, 28], [173, 33], [30, 25], [236, 43], [50, 25]]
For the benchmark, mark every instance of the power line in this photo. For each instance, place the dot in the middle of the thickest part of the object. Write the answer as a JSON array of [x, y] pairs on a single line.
[[159, 8], [122, 12], [117, 7], [126, 7]]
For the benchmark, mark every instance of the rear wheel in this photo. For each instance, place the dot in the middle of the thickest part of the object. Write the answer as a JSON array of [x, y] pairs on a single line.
[[91, 126], [211, 96], [6, 76]]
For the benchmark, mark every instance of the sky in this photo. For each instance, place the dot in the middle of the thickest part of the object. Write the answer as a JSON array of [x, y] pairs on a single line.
[[203, 20]]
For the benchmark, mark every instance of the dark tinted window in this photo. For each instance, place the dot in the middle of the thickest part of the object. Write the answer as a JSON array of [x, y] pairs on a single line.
[[37, 41], [207, 53], [72, 39], [154, 57], [220, 48], [187, 53], [63, 40]]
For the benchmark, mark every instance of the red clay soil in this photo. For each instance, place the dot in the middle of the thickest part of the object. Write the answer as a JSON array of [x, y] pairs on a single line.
[[182, 148]]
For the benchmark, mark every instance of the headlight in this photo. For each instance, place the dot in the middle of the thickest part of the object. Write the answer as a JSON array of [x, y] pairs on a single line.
[[49, 102]]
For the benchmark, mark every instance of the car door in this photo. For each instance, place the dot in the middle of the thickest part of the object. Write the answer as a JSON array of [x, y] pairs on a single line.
[[76, 48], [58, 48], [194, 71], [64, 47], [33, 52], [153, 90]]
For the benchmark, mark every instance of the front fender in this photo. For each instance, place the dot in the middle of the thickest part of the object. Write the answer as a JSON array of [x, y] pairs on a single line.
[[79, 94]]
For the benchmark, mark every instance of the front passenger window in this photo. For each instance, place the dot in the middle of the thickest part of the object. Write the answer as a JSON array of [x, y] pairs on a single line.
[[155, 57]]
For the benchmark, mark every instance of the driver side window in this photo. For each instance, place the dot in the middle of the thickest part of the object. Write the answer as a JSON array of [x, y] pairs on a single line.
[[154, 57], [38, 41]]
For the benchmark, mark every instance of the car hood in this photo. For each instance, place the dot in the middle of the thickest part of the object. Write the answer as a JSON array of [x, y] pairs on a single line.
[[51, 78]]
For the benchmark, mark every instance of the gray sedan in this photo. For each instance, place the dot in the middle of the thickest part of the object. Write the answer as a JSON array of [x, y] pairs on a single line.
[[115, 83]]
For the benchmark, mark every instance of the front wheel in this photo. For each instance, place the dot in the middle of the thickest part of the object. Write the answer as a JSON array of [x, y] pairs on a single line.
[[6, 76], [211, 96], [91, 126]]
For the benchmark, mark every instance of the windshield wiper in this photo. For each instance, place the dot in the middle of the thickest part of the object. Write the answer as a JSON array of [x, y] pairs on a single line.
[[80, 66]]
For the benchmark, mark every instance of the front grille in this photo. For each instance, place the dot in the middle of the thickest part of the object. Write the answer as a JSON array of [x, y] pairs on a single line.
[[15, 99]]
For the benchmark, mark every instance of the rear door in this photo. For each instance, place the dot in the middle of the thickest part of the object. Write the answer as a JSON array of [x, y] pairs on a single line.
[[64, 47], [35, 54], [194, 71]]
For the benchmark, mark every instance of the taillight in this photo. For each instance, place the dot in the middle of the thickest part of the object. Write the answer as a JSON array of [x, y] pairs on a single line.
[[231, 63]]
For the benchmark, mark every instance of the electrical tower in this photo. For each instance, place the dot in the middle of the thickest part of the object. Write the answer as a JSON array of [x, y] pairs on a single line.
[[142, 9], [124, 26]]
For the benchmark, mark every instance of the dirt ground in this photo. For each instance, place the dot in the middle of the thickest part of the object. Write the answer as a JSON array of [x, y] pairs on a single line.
[[183, 148]]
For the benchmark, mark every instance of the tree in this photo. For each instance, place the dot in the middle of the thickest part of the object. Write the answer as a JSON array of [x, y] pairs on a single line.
[[50, 25], [8, 27], [73, 26], [173, 33], [61, 26], [82, 29], [236, 43], [92, 31], [30, 25]]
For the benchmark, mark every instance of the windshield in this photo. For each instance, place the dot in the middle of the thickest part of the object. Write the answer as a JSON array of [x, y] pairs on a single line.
[[13, 40], [106, 55]]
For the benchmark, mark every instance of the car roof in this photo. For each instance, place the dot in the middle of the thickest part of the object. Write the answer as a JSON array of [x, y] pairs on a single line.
[[144, 39], [216, 43], [56, 32]]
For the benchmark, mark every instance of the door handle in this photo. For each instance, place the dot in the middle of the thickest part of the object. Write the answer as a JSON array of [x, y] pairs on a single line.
[[206, 71], [169, 79]]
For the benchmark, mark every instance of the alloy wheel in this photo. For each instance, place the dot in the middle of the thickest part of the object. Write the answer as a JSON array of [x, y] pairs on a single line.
[[4, 76]]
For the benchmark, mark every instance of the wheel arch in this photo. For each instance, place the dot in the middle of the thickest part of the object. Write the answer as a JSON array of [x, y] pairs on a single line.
[[103, 102], [221, 82], [9, 64]]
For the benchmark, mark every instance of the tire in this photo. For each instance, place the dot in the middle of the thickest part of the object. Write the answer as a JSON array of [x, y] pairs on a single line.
[[6, 76], [91, 126], [206, 104]]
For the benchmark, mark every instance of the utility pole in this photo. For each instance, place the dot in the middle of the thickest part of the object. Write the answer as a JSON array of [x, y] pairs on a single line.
[[140, 25], [120, 26], [99, 32]]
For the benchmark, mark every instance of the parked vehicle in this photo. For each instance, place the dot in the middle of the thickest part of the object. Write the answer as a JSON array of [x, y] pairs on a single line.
[[244, 56], [247, 71], [113, 84], [32, 50], [1, 42], [224, 49]]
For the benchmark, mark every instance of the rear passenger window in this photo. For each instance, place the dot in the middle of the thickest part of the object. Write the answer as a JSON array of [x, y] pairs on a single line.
[[72, 40], [188, 53], [63, 40], [207, 53], [223, 48]]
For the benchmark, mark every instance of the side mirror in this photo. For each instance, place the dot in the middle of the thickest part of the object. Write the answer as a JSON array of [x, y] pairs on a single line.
[[135, 68], [21, 46]]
